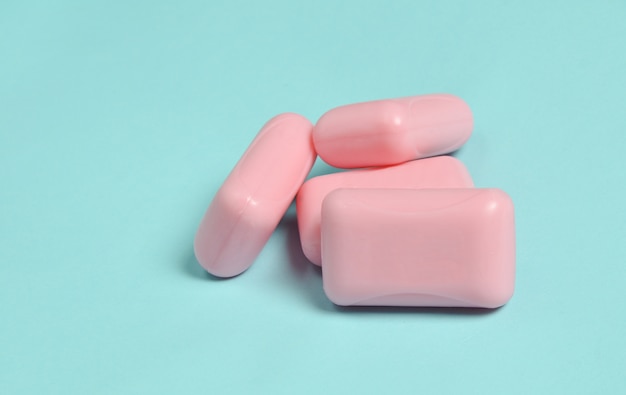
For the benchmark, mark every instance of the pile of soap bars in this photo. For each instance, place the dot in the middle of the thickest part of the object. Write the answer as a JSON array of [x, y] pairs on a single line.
[[406, 228]]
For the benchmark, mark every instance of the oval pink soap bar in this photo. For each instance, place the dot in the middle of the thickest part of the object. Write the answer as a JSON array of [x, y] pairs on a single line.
[[430, 247], [387, 132], [248, 206], [438, 172]]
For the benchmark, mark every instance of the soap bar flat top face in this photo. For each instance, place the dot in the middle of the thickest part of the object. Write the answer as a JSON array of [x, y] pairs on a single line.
[[437, 172], [432, 247], [387, 132], [248, 206]]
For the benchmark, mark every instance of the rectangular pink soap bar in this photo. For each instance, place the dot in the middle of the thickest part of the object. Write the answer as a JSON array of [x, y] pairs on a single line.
[[430, 247], [437, 172], [392, 131]]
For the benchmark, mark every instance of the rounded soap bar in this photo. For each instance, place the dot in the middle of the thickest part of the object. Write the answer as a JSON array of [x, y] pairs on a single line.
[[248, 206], [387, 132], [438, 172], [427, 247]]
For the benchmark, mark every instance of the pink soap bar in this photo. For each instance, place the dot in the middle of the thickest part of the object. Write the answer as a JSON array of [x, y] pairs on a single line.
[[431, 247], [438, 172], [387, 132], [247, 208]]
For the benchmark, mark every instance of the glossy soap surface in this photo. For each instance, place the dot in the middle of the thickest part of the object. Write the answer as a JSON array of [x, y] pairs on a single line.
[[438, 172], [434, 247], [392, 131], [247, 208]]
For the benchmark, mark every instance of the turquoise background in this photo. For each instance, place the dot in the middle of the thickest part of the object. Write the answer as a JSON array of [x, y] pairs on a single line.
[[119, 121]]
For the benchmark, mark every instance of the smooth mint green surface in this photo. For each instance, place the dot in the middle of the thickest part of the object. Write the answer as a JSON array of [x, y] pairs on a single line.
[[119, 121]]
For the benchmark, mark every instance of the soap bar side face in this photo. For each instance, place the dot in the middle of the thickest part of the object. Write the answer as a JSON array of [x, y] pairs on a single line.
[[438, 172], [438, 247], [248, 206], [392, 131], [438, 124]]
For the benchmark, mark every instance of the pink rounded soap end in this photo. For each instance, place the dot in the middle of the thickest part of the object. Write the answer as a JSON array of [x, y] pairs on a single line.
[[232, 233]]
